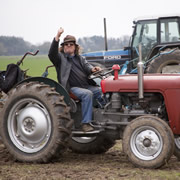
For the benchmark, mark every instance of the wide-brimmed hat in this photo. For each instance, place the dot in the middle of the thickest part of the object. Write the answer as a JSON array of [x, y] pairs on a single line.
[[69, 38]]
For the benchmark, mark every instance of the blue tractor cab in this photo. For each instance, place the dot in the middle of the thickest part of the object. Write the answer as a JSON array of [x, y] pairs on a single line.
[[160, 40]]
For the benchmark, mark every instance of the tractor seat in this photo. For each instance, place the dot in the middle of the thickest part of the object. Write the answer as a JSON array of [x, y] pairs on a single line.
[[73, 102], [73, 96]]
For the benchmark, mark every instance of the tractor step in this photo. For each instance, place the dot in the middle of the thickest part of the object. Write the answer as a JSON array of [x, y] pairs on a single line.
[[80, 133]]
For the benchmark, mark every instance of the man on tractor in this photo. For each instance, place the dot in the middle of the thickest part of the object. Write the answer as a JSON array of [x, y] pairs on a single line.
[[72, 73]]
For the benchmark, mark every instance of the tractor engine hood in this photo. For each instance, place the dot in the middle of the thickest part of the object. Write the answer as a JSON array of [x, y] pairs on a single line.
[[166, 84], [108, 55], [152, 83]]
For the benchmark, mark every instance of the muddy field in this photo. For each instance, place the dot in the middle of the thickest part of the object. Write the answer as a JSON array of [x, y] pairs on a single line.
[[111, 165]]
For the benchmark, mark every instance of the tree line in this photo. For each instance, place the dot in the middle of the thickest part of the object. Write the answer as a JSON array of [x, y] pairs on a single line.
[[12, 46]]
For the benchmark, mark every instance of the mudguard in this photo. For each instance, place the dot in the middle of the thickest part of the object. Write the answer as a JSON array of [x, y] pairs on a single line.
[[59, 88]]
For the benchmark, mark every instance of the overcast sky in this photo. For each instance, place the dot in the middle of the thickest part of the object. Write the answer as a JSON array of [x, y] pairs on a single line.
[[37, 21]]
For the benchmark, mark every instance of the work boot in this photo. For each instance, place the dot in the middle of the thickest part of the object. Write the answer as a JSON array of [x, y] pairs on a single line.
[[87, 127]]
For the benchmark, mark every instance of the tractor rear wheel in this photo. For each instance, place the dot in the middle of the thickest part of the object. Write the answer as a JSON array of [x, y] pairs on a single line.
[[148, 142], [91, 145], [35, 123], [165, 63]]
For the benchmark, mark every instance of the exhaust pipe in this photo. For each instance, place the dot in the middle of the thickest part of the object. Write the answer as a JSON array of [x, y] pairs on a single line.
[[140, 74]]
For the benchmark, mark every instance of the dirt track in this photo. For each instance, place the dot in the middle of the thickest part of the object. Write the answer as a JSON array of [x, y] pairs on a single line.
[[111, 165]]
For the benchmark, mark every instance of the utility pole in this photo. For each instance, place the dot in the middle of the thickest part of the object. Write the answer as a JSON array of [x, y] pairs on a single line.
[[105, 35]]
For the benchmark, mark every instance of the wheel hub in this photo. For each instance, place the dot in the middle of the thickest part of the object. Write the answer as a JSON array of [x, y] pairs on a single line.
[[29, 125], [32, 124], [145, 143]]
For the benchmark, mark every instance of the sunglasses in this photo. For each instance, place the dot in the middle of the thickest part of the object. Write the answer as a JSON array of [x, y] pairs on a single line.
[[68, 44]]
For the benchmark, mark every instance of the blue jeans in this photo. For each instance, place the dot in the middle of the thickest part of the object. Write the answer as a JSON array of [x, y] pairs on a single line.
[[86, 96]]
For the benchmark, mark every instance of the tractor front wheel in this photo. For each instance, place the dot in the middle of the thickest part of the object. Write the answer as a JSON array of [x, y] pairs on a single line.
[[177, 147], [148, 142]]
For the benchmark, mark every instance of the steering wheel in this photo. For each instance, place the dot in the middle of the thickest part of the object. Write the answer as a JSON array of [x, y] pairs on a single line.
[[100, 74]]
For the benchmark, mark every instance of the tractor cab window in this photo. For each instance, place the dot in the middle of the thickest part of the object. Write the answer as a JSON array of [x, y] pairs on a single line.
[[169, 30], [145, 33]]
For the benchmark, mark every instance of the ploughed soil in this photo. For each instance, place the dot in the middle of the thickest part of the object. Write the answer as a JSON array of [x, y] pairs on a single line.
[[111, 165]]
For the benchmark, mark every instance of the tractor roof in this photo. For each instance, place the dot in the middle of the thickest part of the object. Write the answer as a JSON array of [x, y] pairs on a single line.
[[155, 17]]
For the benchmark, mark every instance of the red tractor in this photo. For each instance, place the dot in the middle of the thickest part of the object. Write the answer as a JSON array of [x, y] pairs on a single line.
[[142, 109]]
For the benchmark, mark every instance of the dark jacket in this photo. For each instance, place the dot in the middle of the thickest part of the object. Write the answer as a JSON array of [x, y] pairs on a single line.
[[63, 64]]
